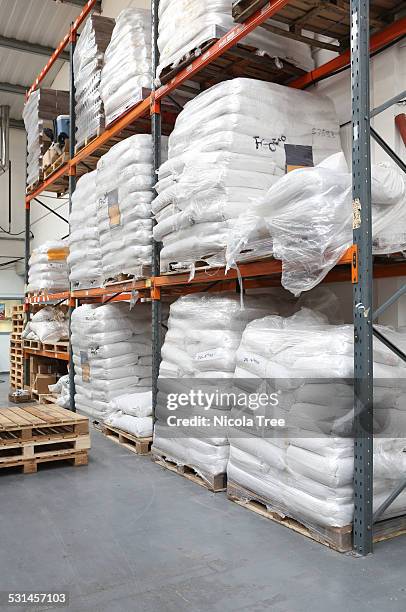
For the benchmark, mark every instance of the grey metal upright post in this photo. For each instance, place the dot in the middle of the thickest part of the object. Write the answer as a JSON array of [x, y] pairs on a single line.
[[156, 127], [363, 294], [27, 253], [72, 187]]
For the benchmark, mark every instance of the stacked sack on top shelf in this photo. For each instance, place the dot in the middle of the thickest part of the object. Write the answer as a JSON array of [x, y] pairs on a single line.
[[309, 218], [48, 268], [186, 25], [306, 470], [204, 331], [112, 354], [84, 260], [88, 61], [124, 191], [127, 63], [230, 145]]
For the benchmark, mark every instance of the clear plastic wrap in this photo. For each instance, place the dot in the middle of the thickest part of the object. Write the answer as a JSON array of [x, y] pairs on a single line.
[[88, 61], [309, 217], [186, 25], [112, 354], [48, 268], [127, 63], [230, 145], [85, 259], [307, 472], [124, 218]]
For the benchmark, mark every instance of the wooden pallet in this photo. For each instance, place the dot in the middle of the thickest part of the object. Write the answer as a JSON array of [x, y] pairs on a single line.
[[57, 347], [33, 186], [36, 423], [139, 446], [215, 483], [144, 272], [88, 140], [240, 61], [49, 399], [30, 466], [19, 399], [337, 538], [62, 159]]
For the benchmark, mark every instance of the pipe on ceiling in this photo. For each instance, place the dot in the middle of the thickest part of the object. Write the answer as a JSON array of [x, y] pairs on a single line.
[[4, 138]]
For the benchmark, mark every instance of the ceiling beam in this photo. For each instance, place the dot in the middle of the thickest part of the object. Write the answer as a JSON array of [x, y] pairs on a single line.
[[14, 89], [80, 3], [27, 47], [17, 124]]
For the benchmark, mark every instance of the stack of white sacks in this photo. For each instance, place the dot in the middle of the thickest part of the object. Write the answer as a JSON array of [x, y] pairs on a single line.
[[309, 218], [48, 268], [204, 332], [306, 470], [88, 61], [84, 260], [185, 25], [229, 146], [127, 63], [48, 325], [124, 191], [112, 355]]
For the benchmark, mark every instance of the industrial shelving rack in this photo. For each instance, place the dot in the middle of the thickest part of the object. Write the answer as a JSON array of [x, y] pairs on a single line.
[[350, 23]]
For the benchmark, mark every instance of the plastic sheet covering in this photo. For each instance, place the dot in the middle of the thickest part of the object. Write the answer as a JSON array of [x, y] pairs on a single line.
[[204, 331], [48, 268], [62, 389], [112, 354], [141, 427], [309, 216], [88, 61], [307, 472], [128, 65], [186, 25], [85, 259], [230, 145], [124, 218]]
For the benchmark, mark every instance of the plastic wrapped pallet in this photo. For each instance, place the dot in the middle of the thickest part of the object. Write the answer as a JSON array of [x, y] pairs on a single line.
[[111, 353], [124, 217], [230, 145], [88, 61], [128, 65], [48, 268], [85, 260], [305, 471], [204, 332], [309, 215], [185, 26], [41, 109]]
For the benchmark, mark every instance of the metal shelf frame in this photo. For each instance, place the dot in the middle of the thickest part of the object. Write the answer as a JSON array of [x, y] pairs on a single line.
[[357, 266]]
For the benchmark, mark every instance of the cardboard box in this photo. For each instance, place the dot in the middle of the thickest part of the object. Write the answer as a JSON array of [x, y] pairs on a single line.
[[42, 381]]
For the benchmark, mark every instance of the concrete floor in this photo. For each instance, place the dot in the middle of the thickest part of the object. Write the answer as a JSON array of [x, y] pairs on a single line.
[[125, 535]]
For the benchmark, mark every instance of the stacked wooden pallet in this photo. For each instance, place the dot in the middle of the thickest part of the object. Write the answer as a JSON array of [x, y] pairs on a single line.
[[31, 435], [16, 348]]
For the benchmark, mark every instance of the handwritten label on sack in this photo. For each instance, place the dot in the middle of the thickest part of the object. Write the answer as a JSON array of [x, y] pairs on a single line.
[[209, 355], [271, 145], [85, 365], [113, 208]]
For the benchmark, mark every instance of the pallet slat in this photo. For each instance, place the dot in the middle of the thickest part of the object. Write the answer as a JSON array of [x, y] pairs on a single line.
[[214, 483], [139, 446]]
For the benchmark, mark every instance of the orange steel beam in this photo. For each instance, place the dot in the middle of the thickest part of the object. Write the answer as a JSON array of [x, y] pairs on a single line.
[[50, 354], [400, 121], [54, 57], [378, 42], [47, 297], [141, 109], [110, 290], [229, 40], [48, 182]]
